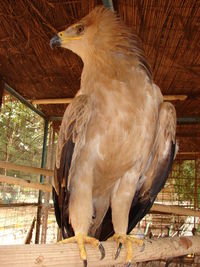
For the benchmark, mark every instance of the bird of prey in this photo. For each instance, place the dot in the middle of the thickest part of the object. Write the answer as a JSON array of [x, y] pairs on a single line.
[[117, 138]]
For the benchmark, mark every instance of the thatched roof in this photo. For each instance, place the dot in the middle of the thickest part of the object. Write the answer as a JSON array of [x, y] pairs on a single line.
[[169, 30]]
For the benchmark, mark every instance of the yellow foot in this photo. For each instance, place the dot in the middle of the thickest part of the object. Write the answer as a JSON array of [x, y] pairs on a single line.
[[127, 240], [82, 239]]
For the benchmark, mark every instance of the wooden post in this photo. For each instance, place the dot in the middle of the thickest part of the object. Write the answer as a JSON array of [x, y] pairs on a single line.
[[195, 189], [45, 208], [59, 255], [30, 232], [43, 162], [2, 85]]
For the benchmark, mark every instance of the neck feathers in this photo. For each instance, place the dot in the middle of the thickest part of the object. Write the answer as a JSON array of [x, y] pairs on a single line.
[[114, 44]]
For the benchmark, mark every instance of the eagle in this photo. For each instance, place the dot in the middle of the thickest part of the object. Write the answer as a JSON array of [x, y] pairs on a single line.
[[116, 142]]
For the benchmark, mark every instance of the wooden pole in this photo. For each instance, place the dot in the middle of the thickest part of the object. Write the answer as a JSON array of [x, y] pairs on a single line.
[[45, 208], [68, 255], [175, 97], [25, 183], [40, 195], [2, 85], [30, 232], [50, 101], [12, 166]]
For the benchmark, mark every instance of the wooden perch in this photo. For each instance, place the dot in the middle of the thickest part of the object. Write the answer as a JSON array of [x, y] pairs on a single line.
[[25, 183], [12, 166], [68, 255]]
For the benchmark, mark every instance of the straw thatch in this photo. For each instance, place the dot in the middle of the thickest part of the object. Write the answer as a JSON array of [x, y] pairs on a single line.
[[169, 30]]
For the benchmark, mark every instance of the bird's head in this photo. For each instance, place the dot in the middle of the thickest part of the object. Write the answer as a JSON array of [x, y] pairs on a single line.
[[72, 38], [102, 37], [92, 34]]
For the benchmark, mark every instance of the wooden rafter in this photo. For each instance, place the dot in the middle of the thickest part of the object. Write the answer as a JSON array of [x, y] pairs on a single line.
[[69, 100], [51, 101], [175, 97]]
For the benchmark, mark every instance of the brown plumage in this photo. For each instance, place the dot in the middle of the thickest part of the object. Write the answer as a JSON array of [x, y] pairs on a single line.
[[117, 139]]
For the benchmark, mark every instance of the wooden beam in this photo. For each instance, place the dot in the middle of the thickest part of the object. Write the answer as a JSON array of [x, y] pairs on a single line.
[[69, 100], [175, 97], [52, 101], [12, 166], [68, 254], [171, 209], [25, 183], [188, 153]]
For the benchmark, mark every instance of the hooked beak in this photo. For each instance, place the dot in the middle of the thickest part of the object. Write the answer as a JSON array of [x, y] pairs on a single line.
[[55, 42]]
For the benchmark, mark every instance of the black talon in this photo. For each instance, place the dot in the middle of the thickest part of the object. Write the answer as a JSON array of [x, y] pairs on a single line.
[[102, 250], [143, 247], [85, 263], [118, 251], [128, 264]]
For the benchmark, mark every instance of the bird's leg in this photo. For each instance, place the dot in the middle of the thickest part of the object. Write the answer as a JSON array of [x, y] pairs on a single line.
[[80, 216], [82, 239], [127, 241], [120, 202]]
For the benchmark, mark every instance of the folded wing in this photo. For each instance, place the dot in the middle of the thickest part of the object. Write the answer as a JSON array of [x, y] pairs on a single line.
[[70, 142]]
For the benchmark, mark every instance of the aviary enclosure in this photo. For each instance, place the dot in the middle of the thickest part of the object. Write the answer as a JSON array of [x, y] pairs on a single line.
[[36, 85]]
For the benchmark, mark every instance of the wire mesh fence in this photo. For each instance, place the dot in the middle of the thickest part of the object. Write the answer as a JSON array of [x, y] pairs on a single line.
[[181, 189]]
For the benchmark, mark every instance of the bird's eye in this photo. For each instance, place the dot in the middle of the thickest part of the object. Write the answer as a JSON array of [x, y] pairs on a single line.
[[79, 29]]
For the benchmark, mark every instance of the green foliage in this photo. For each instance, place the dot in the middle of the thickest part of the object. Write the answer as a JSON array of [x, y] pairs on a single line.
[[21, 139], [184, 176]]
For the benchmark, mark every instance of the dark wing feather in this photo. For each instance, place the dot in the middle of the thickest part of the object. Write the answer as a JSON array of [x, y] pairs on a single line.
[[153, 180], [70, 141], [61, 199], [142, 204]]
